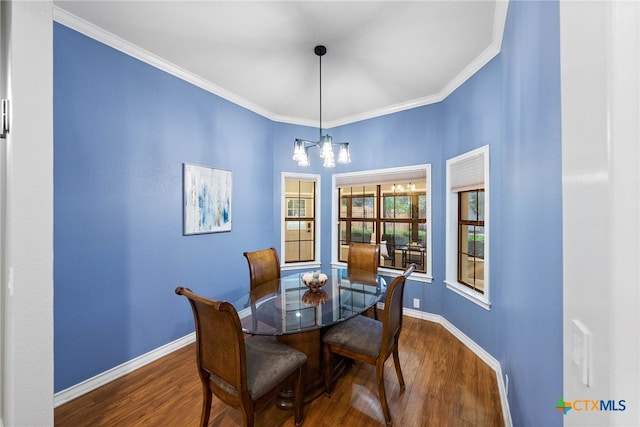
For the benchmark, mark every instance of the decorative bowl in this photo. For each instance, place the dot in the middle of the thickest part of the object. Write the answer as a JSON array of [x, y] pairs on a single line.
[[315, 297], [314, 280]]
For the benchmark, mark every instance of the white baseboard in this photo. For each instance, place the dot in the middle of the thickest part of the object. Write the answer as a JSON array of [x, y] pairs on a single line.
[[487, 358], [130, 366], [101, 379]]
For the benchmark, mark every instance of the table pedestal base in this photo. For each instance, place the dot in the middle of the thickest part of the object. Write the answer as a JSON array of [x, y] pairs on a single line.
[[310, 343]]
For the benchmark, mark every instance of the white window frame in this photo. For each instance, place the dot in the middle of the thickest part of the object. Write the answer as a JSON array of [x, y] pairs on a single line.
[[381, 176], [470, 171], [317, 216]]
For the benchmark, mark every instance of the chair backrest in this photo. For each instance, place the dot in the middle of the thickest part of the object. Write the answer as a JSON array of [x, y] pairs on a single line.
[[392, 315], [220, 346], [363, 261], [264, 267]]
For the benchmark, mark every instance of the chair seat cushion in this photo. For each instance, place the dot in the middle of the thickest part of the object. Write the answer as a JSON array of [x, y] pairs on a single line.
[[268, 363], [359, 334]]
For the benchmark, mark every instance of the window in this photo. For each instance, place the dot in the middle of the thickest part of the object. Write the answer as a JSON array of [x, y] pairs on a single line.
[[388, 207], [471, 239], [296, 208], [467, 250], [300, 220]]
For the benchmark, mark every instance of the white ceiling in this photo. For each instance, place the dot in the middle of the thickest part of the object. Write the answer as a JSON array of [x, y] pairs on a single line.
[[382, 56]]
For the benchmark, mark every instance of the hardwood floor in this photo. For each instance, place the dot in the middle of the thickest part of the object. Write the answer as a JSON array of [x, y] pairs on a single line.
[[446, 385]]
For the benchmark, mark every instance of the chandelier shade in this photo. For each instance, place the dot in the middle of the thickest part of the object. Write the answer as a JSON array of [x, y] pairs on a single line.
[[325, 142]]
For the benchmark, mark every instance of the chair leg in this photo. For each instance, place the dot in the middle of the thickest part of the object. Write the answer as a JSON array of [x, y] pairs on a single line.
[[381, 392], [249, 415], [206, 406], [328, 370], [298, 397], [396, 362]]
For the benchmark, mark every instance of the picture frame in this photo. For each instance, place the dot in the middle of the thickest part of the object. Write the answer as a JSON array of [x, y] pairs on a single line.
[[206, 199]]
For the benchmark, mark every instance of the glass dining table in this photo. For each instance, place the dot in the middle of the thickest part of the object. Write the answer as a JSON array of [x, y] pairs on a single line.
[[298, 315]]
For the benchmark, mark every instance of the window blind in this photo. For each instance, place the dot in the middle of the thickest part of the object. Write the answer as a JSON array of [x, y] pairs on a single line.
[[467, 173], [415, 174]]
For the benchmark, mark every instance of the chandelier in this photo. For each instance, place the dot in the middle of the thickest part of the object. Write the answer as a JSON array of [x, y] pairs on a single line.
[[325, 142]]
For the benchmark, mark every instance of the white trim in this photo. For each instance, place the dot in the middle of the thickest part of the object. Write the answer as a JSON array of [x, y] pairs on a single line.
[[91, 30], [343, 178], [415, 276], [468, 293], [300, 266], [451, 228], [103, 36], [317, 218], [99, 380], [487, 358], [245, 312], [500, 18], [389, 272], [112, 374], [382, 176]]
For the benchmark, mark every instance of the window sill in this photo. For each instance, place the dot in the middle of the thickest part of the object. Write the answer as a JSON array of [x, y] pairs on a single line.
[[300, 265], [469, 294], [416, 277], [388, 272]]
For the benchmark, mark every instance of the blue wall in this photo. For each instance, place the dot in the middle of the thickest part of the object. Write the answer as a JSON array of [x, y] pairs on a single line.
[[513, 105], [123, 129]]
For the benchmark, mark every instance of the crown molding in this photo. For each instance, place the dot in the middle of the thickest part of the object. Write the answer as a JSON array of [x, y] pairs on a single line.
[[499, 21], [97, 33], [103, 36]]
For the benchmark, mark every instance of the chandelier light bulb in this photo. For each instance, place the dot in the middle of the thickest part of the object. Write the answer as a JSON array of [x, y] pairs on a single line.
[[303, 160], [326, 148], [298, 150], [329, 160], [343, 155]]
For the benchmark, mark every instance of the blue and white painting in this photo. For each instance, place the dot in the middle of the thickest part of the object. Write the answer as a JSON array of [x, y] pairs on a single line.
[[207, 199]]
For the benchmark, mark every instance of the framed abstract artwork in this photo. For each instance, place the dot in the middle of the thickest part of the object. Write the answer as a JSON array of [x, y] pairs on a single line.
[[207, 199]]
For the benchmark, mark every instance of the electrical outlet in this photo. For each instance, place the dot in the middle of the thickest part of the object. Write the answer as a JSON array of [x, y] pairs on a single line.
[[416, 303]]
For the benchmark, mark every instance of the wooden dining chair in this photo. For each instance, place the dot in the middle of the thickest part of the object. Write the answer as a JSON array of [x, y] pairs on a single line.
[[370, 341], [362, 266], [264, 272], [363, 261], [264, 266], [244, 374]]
